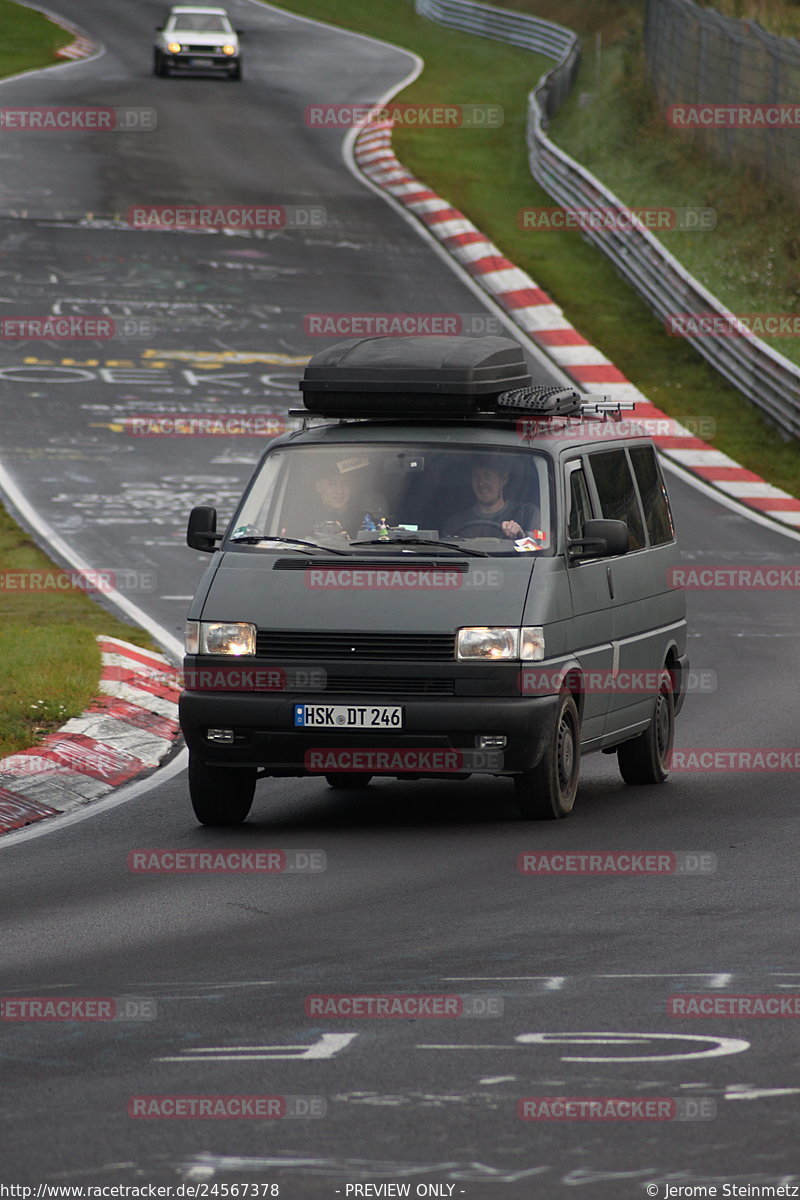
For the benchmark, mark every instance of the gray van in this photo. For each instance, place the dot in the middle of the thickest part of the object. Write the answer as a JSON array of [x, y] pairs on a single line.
[[445, 571]]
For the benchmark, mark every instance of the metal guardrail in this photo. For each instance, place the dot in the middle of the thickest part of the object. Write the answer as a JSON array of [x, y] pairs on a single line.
[[766, 378], [502, 24], [519, 29]]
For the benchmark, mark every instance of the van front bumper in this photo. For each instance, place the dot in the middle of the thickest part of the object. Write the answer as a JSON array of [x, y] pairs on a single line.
[[439, 736]]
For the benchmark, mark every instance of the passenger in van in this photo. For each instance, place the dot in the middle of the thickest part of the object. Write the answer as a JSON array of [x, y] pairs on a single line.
[[346, 496], [492, 515]]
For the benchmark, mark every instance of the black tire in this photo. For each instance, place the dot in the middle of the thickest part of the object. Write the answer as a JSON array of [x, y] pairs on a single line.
[[646, 758], [348, 779], [547, 792], [220, 795], [160, 68], [235, 72]]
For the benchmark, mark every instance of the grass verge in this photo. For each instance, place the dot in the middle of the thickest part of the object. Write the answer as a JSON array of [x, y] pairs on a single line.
[[751, 261], [29, 39], [487, 176], [50, 660]]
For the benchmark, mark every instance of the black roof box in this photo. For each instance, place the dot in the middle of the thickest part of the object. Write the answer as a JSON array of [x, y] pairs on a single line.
[[412, 376]]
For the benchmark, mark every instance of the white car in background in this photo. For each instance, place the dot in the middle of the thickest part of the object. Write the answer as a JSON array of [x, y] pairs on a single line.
[[197, 38]]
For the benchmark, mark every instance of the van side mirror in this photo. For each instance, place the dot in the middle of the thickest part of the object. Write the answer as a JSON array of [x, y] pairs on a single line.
[[201, 533], [599, 538]]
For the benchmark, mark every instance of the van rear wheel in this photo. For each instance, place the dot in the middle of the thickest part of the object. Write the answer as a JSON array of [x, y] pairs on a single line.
[[220, 795], [646, 758], [348, 779], [547, 792]]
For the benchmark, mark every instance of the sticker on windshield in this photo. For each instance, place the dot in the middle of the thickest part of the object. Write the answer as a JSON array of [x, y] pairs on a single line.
[[534, 541]]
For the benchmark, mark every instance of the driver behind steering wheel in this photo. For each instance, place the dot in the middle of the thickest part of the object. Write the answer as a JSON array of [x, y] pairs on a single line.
[[508, 518]]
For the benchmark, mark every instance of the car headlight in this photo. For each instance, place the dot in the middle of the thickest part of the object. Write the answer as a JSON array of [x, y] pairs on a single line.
[[229, 49], [223, 637], [501, 643], [174, 47]]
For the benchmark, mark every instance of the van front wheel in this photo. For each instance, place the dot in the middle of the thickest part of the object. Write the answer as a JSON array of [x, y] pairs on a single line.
[[646, 758], [220, 795], [548, 791]]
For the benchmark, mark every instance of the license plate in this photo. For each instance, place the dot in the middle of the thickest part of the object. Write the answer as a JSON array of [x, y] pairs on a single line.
[[348, 716], [202, 62]]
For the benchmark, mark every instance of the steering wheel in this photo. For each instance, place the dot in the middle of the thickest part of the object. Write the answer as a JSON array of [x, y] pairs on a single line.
[[483, 523]]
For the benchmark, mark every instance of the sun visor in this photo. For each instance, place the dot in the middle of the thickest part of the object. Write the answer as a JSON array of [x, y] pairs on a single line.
[[413, 376]]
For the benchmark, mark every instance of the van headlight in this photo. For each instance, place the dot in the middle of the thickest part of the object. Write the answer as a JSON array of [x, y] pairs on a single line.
[[501, 643], [234, 638]]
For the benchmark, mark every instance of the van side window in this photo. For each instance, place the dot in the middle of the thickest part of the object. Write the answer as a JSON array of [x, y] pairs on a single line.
[[654, 495], [617, 492], [580, 506]]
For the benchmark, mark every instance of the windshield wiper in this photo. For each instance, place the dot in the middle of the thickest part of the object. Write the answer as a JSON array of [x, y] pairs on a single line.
[[253, 539], [413, 541]]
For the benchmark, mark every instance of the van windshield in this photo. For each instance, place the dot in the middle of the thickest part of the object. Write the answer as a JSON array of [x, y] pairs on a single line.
[[495, 500]]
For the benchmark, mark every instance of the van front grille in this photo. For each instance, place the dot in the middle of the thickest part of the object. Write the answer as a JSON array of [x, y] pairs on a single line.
[[355, 647], [357, 685]]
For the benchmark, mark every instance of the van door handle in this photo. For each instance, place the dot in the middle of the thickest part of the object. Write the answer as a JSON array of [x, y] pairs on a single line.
[[610, 581]]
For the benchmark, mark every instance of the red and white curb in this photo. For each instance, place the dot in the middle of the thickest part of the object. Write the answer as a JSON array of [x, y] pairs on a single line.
[[80, 48], [544, 322], [129, 728]]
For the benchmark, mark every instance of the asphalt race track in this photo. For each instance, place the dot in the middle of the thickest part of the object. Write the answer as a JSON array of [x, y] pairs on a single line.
[[421, 891]]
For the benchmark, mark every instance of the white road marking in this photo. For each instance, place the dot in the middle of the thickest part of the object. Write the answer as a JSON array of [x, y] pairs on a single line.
[[718, 1046], [741, 1091], [328, 1045], [204, 1165], [714, 980], [551, 982], [208, 983]]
